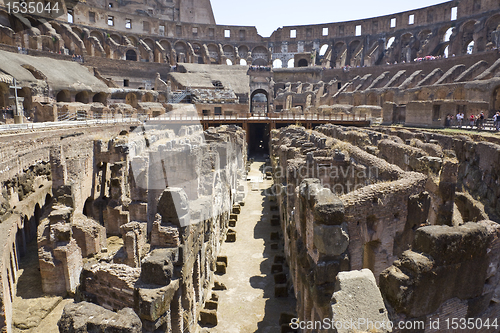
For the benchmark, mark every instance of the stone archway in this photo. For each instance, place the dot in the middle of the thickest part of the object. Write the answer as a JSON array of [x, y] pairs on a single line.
[[259, 101], [302, 63], [131, 55]]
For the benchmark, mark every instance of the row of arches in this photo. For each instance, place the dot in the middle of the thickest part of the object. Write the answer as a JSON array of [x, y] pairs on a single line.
[[82, 97], [449, 39], [464, 37]]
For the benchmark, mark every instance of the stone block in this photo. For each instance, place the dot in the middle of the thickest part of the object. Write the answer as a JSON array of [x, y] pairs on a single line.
[[220, 268], [60, 232], [331, 240], [232, 223], [236, 209], [231, 236], [165, 236], [275, 236], [154, 303], [60, 214], [138, 211], [219, 286], [280, 278], [89, 235], [326, 272], [88, 318], [276, 268], [211, 305], [357, 297], [173, 207], [208, 317], [158, 266], [280, 290], [451, 245]]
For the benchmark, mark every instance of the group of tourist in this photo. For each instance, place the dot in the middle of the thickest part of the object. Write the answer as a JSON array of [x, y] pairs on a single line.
[[428, 58], [77, 58], [260, 68], [473, 120], [22, 50]]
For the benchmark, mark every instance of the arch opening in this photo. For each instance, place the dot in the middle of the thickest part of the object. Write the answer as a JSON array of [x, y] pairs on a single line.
[[302, 63], [63, 96], [131, 55]]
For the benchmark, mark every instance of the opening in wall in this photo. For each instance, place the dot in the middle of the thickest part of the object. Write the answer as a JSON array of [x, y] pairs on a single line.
[[126, 83], [325, 31], [411, 19], [436, 112], [358, 30], [393, 22], [293, 33], [70, 15], [454, 13], [128, 24], [111, 21], [92, 17]]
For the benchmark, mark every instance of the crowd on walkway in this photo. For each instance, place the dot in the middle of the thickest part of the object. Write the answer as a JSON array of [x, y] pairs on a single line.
[[77, 58], [473, 121], [260, 68]]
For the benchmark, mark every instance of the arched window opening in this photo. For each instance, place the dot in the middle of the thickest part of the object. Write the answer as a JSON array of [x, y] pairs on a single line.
[[390, 42], [259, 102], [243, 62], [277, 63], [291, 63], [303, 63], [323, 49], [99, 98], [131, 55], [447, 35], [82, 97], [63, 96], [470, 47], [229, 62]]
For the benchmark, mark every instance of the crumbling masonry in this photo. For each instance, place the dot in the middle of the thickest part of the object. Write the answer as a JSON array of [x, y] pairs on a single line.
[[392, 203]]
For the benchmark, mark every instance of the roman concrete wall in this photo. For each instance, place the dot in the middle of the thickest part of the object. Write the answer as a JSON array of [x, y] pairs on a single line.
[[352, 199], [27, 190], [171, 190]]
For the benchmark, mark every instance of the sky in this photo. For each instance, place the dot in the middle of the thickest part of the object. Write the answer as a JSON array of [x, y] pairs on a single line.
[[269, 15]]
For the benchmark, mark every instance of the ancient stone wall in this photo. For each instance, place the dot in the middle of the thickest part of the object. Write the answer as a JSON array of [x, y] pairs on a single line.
[[352, 199], [27, 189], [170, 190]]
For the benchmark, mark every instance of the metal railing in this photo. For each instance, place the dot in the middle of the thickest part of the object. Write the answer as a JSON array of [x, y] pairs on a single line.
[[265, 116], [77, 119]]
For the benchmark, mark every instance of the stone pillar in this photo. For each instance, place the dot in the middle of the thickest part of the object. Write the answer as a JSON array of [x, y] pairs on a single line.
[[58, 167], [447, 185]]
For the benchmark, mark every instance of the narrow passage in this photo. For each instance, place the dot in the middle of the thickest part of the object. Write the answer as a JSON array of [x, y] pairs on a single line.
[[249, 303]]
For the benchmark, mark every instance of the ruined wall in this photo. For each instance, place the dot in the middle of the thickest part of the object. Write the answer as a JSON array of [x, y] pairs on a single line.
[[27, 190], [171, 190], [352, 199]]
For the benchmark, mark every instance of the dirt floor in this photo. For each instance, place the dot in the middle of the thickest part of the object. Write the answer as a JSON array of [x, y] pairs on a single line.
[[248, 304], [32, 310]]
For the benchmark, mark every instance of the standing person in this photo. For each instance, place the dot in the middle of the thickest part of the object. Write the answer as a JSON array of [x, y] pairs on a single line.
[[480, 121], [496, 120], [471, 120], [459, 117]]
